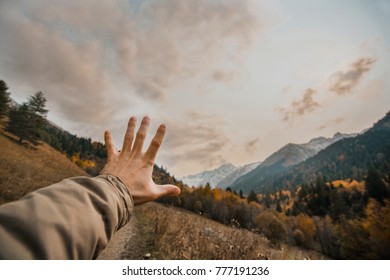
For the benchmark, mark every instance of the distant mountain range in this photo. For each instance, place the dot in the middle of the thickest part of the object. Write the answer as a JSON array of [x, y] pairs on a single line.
[[341, 157], [213, 177], [221, 177], [286, 157], [289, 155], [239, 172]]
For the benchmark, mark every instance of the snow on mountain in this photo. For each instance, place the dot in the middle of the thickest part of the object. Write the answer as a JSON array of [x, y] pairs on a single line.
[[239, 172], [211, 176], [292, 154], [288, 156]]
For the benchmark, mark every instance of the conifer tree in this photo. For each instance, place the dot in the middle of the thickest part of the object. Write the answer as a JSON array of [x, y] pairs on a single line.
[[28, 120], [252, 196], [375, 186], [4, 99], [241, 194]]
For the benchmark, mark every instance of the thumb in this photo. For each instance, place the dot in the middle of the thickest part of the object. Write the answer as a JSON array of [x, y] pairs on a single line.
[[167, 190]]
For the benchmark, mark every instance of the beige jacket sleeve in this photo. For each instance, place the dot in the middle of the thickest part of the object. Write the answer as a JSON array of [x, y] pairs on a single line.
[[72, 219]]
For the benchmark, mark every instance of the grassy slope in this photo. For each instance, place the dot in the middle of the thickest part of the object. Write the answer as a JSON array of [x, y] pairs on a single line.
[[169, 233], [24, 169], [173, 233]]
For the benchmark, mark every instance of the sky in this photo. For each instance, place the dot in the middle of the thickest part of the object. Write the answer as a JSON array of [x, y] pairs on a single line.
[[233, 80]]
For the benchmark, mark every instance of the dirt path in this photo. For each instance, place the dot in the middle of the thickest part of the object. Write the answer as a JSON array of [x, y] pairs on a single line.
[[127, 244]]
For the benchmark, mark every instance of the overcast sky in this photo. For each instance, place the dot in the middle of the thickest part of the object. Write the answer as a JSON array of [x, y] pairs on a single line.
[[233, 80]]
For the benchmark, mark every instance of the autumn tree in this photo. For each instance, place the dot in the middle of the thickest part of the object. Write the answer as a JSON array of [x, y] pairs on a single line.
[[306, 226], [272, 227], [377, 225], [28, 120], [353, 239], [327, 236]]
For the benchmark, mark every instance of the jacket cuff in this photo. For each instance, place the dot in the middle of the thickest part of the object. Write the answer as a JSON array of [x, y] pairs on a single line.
[[124, 195]]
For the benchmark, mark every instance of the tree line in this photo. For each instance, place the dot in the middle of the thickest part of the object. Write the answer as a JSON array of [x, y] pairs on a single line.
[[28, 122], [343, 220]]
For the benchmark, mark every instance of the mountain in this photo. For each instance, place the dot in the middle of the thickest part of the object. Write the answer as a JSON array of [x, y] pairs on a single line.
[[347, 158], [286, 157], [239, 172], [211, 176]]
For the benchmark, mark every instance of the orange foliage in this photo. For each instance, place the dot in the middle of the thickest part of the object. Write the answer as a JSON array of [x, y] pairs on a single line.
[[377, 224], [217, 194], [83, 163], [306, 225], [349, 184]]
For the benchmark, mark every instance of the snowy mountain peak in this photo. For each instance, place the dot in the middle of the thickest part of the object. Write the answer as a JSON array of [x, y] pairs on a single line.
[[292, 154], [239, 172], [213, 177]]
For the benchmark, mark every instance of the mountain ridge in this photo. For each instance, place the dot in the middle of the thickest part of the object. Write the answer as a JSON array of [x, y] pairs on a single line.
[[209, 176], [346, 158], [287, 156]]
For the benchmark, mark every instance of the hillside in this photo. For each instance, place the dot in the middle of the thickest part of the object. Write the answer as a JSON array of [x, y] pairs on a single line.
[[282, 160], [24, 169], [173, 233], [348, 158], [183, 235]]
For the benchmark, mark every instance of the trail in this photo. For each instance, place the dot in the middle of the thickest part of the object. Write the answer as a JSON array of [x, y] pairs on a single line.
[[127, 244]]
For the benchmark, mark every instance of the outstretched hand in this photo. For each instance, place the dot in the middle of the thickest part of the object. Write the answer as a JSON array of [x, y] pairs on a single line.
[[133, 166]]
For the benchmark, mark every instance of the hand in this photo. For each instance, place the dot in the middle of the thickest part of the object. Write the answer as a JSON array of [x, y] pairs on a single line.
[[133, 166]]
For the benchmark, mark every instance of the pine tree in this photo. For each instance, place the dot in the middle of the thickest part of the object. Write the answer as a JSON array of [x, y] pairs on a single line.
[[28, 121], [252, 197], [4, 99], [375, 186], [278, 207]]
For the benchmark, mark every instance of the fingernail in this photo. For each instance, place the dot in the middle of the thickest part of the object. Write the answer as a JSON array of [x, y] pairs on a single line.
[[163, 126], [133, 119], [146, 119]]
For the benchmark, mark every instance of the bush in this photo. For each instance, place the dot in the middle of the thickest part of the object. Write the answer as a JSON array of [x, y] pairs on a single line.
[[273, 228]]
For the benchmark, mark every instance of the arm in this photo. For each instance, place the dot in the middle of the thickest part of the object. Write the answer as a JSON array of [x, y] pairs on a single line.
[[75, 218]]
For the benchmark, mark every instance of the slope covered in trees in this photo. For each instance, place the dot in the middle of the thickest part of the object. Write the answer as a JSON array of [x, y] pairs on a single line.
[[347, 219], [347, 158], [28, 122], [342, 219]]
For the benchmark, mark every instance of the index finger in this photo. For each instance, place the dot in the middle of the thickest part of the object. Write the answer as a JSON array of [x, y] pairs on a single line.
[[151, 153]]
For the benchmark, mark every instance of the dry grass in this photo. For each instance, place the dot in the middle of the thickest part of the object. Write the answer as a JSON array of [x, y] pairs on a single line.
[[167, 233], [174, 233], [24, 169]]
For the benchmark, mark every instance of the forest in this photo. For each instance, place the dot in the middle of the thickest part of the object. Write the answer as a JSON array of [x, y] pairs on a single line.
[[343, 219], [29, 123], [346, 216]]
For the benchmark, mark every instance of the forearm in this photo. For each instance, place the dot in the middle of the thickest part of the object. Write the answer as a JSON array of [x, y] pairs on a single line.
[[73, 219]]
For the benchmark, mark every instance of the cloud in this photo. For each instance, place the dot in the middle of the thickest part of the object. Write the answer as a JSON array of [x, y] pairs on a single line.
[[332, 122], [343, 82], [85, 54], [299, 108], [223, 76], [251, 145], [197, 139]]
